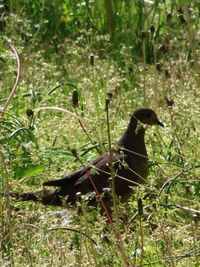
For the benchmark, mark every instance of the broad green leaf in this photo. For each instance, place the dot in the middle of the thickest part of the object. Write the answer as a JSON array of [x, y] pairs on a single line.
[[28, 170]]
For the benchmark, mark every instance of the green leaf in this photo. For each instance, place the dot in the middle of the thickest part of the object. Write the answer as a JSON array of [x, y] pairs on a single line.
[[28, 170], [62, 84]]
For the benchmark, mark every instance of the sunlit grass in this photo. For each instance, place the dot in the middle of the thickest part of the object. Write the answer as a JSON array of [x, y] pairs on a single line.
[[169, 234]]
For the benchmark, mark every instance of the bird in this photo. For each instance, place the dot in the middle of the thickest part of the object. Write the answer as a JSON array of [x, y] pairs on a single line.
[[128, 164]]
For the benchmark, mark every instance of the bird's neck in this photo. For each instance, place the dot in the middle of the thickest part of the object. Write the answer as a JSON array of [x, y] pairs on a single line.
[[133, 138]]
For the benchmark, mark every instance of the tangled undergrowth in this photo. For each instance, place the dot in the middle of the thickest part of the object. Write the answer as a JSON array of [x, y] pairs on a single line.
[[159, 225]]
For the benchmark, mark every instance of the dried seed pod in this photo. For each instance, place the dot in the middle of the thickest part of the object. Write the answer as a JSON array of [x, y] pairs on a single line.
[[143, 35], [167, 74], [75, 99], [182, 19], [158, 67], [74, 153], [29, 112], [107, 102], [130, 69], [169, 102], [169, 17], [92, 59], [140, 207], [152, 28], [109, 95]]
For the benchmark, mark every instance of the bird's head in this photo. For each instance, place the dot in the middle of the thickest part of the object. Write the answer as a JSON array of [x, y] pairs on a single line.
[[147, 116]]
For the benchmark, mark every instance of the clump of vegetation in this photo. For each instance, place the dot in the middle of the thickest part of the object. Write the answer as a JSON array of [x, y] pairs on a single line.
[[143, 54]]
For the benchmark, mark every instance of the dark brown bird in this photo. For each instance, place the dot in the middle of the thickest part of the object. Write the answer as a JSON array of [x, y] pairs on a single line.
[[129, 163]]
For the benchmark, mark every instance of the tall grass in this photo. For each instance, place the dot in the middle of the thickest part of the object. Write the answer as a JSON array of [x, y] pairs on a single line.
[[63, 48]]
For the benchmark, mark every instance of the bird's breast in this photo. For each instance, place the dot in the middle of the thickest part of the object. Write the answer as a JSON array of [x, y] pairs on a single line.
[[139, 166]]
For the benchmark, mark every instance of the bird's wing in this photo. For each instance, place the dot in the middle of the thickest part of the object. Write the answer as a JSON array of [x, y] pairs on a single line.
[[100, 171]]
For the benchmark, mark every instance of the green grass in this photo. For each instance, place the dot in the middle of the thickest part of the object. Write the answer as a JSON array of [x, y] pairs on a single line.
[[36, 149]]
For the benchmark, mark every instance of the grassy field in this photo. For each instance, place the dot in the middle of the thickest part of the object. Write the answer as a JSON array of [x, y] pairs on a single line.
[[151, 60]]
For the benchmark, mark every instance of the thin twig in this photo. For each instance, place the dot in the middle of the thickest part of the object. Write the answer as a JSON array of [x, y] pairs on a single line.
[[62, 110], [187, 209], [16, 81]]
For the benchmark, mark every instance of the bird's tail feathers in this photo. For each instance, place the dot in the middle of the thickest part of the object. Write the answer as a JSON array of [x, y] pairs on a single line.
[[60, 182], [46, 197]]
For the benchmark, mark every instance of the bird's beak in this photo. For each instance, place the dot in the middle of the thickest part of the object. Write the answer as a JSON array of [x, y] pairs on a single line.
[[159, 123]]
